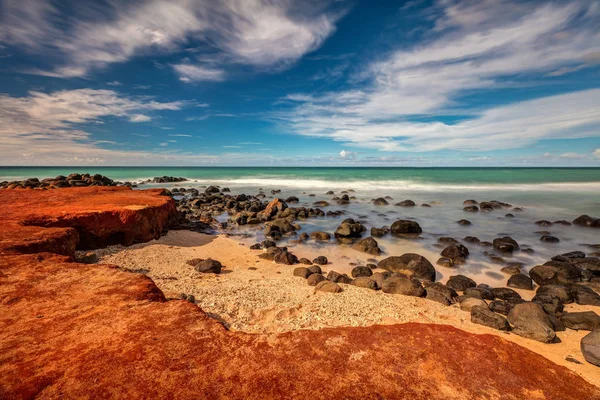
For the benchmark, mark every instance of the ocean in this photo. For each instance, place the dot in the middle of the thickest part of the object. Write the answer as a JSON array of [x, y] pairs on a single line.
[[544, 193]]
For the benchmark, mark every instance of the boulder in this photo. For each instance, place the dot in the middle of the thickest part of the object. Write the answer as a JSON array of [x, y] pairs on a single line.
[[285, 257], [549, 239], [586, 220], [334, 276], [464, 222], [501, 306], [328, 287], [505, 293], [441, 293], [590, 347], [505, 244], [406, 203], [460, 283], [367, 245], [560, 292], [584, 295], [479, 293], [455, 251], [484, 316], [530, 321], [320, 236], [467, 303], [380, 202], [365, 282], [520, 281], [314, 279], [471, 209], [410, 264], [379, 232], [209, 266], [405, 227], [360, 271], [403, 285], [321, 260], [275, 206], [315, 269], [305, 261], [350, 229], [581, 321], [555, 272], [302, 272]]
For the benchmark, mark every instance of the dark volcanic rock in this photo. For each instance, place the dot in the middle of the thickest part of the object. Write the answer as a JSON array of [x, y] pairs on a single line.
[[379, 232], [559, 292], [555, 272], [501, 306], [360, 271], [406, 203], [320, 236], [520, 281], [590, 347], [455, 251], [584, 295], [380, 202], [506, 244], [409, 264], [365, 282], [484, 316], [441, 293], [467, 303], [302, 272], [328, 287], [321, 260], [530, 321], [586, 220], [460, 283], [581, 321], [314, 279], [480, 293], [350, 229], [549, 239], [339, 278], [464, 222], [208, 266], [403, 226], [505, 293], [367, 245], [402, 285]]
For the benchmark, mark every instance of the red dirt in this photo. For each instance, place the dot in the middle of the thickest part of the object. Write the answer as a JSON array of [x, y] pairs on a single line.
[[70, 330]]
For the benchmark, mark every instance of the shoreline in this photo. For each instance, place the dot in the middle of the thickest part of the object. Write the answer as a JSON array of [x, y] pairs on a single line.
[[271, 300]]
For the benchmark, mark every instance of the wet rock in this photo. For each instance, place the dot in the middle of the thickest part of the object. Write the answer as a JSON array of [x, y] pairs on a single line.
[[445, 262], [455, 251], [470, 203], [511, 269], [338, 278], [590, 347], [379, 277], [530, 321], [584, 295], [520, 281], [320, 236], [406, 203], [555, 272], [484, 316], [285, 257], [549, 239], [314, 279], [467, 303], [471, 209], [471, 239], [403, 285], [366, 282], [302, 272], [464, 222], [403, 226], [506, 244], [379, 232], [586, 220], [350, 229], [360, 271], [328, 287], [460, 283], [304, 261], [367, 245], [581, 321], [569, 255], [380, 202], [321, 260], [543, 223], [212, 189], [441, 293], [271, 210], [409, 264], [208, 266], [292, 199], [589, 263]]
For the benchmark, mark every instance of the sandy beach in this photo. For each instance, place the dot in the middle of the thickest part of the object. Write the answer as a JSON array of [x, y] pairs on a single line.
[[258, 296]]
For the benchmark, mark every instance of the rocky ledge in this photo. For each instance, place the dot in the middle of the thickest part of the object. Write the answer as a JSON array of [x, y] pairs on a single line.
[[73, 330]]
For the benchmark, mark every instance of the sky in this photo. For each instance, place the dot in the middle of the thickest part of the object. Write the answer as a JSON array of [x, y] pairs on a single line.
[[300, 83]]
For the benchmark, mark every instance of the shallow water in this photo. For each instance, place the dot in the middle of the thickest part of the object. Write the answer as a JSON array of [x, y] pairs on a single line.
[[545, 193]]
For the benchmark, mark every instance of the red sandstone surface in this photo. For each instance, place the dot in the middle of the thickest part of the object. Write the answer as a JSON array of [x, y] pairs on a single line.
[[70, 330]]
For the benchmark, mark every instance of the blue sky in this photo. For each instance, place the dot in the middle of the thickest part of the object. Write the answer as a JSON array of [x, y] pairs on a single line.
[[259, 82]]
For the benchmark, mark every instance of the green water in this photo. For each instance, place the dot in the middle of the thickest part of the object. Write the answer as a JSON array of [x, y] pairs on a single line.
[[444, 176]]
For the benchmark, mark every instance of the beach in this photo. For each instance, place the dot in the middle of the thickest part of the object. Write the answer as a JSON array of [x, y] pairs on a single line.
[[249, 257]]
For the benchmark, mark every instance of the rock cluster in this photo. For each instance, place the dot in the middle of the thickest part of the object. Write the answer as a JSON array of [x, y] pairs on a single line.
[[73, 180]]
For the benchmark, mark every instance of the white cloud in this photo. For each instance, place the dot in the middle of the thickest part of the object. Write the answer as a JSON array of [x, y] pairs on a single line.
[[139, 118], [180, 135], [250, 143], [114, 83], [597, 153], [261, 33], [233, 147], [347, 155], [197, 73], [475, 46]]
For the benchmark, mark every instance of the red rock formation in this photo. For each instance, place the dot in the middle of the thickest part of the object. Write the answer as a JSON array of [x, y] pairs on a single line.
[[70, 330]]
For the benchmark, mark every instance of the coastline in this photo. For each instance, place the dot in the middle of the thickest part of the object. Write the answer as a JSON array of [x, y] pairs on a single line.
[[260, 297]]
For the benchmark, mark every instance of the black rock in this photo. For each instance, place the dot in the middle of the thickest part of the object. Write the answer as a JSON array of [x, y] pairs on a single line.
[[549, 239], [441, 293], [530, 321], [590, 347], [555, 272], [586, 220], [406, 203], [321, 260], [520, 281], [581, 321], [209, 266], [403, 227], [584, 295], [302, 272], [484, 316], [367, 245], [460, 283], [360, 271], [505, 244], [410, 264], [402, 285]]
